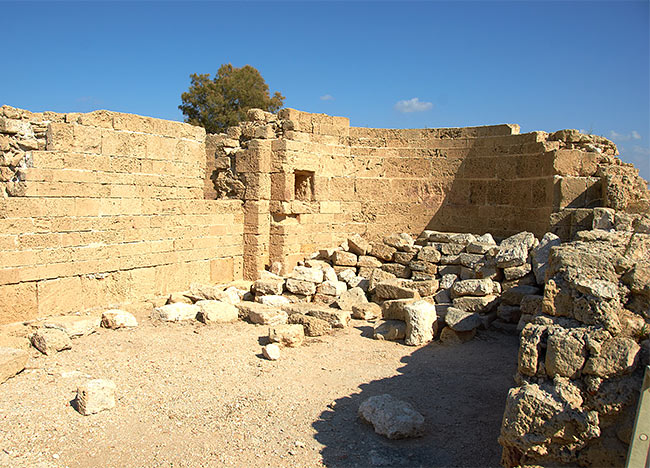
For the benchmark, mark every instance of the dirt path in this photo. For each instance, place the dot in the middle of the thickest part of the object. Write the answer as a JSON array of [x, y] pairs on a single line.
[[192, 395]]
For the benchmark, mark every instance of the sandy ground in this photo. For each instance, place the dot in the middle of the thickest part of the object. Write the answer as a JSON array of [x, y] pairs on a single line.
[[191, 395]]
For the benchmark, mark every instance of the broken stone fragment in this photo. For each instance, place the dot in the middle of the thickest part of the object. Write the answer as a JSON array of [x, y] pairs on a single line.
[[618, 355], [367, 311], [273, 300], [508, 313], [402, 242], [394, 309], [12, 361], [95, 395], [461, 321], [271, 352], [475, 287], [358, 245], [342, 258], [382, 251], [516, 272], [291, 335], [265, 287], [390, 330], [73, 325], [565, 354], [51, 340], [397, 269], [404, 258], [335, 317], [302, 273], [420, 316], [449, 336], [513, 251], [263, 315], [541, 253], [216, 311], [313, 326], [350, 298], [391, 418], [305, 288], [482, 304], [116, 318], [394, 290], [429, 254], [176, 312], [369, 262], [332, 288]]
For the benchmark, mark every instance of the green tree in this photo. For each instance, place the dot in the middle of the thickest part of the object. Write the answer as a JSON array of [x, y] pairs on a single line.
[[218, 103]]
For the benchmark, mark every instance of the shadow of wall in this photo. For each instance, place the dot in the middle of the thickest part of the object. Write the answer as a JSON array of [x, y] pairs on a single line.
[[461, 392]]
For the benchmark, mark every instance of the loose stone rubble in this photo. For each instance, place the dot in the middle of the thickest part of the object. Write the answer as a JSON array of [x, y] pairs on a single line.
[[392, 418]]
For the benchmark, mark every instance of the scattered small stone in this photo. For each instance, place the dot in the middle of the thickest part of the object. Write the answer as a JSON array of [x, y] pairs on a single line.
[[271, 352], [176, 312], [291, 335], [116, 318], [95, 395], [390, 330]]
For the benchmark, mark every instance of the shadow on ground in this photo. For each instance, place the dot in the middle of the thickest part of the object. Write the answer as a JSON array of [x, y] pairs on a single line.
[[459, 389]]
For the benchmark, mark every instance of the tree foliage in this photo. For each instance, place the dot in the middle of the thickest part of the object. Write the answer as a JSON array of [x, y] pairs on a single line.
[[218, 103]]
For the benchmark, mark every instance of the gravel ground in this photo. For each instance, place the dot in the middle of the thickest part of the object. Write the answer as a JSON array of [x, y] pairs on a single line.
[[191, 395]]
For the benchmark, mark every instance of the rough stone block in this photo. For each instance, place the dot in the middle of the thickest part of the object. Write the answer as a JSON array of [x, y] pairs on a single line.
[[95, 395], [116, 318], [12, 361], [51, 340], [291, 335], [216, 311]]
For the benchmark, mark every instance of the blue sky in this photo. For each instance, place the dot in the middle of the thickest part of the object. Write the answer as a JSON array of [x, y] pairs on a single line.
[[544, 65]]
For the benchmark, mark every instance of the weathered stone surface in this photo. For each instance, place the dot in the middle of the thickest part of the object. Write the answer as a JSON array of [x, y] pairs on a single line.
[[508, 313], [350, 298], [420, 316], [517, 272], [475, 287], [514, 295], [264, 315], [377, 277], [536, 414], [358, 245], [51, 340], [12, 361], [179, 297], [449, 336], [400, 271], [404, 258], [368, 311], [324, 299], [369, 262], [513, 251], [443, 296], [74, 325], [216, 311], [531, 304], [342, 258], [273, 300], [617, 356], [263, 287], [335, 317], [382, 251], [541, 253], [394, 290], [394, 309], [305, 288], [481, 248], [176, 312], [313, 326], [291, 335], [402, 242], [470, 260], [390, 330], [207, 292], [302, 273], [425, 288], [116, 318], [422, 266], [429, 254], [391, 418], [271, 352], [461, 321], [483, 304], [447, 281], [565, 354], [95, 395]]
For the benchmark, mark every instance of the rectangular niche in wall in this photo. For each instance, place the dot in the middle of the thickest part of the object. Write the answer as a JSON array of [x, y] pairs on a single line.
[[304, 189]]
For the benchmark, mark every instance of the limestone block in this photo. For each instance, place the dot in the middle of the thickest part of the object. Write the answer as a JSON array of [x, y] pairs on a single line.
[[51, 340], [449, 249], [448, 336], [393, 289], [420, 316], [513, 251], [271, 352], [400, 271], [529, 349], [314, 275], [367, 261], [514, 295], [95, 395], [540, 255], [481, 248], [565, 355], [517, 272], [273, 300], [429, 254], [461, 321], [73, 325], [12, 361], [342, 258], [368, 311], [404, 258], [265, 287], [176, 312], [391, 418], [261, 314], [305, 288], [291, 335], [116, 318], [604, 218], [358, 245], [531, 304], [482, 305], [332, 288], [425, 288], [470, 260], [313, 326], [422, 266], [335, 317], [216, 311], [351, 297], [475, 287], [509, 313], [390, 330], [382, 251], [618, 355], [443, 296]]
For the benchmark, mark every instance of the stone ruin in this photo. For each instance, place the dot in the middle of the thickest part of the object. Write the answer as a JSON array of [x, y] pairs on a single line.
[[300, 222]]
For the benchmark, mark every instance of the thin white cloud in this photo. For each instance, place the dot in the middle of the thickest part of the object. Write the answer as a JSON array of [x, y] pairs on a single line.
[[327, 97], [641, 150], [633, 135], [412, 105]]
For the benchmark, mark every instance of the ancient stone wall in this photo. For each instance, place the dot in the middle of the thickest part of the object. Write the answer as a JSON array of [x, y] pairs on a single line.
[[106, 208], [311, 180]]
